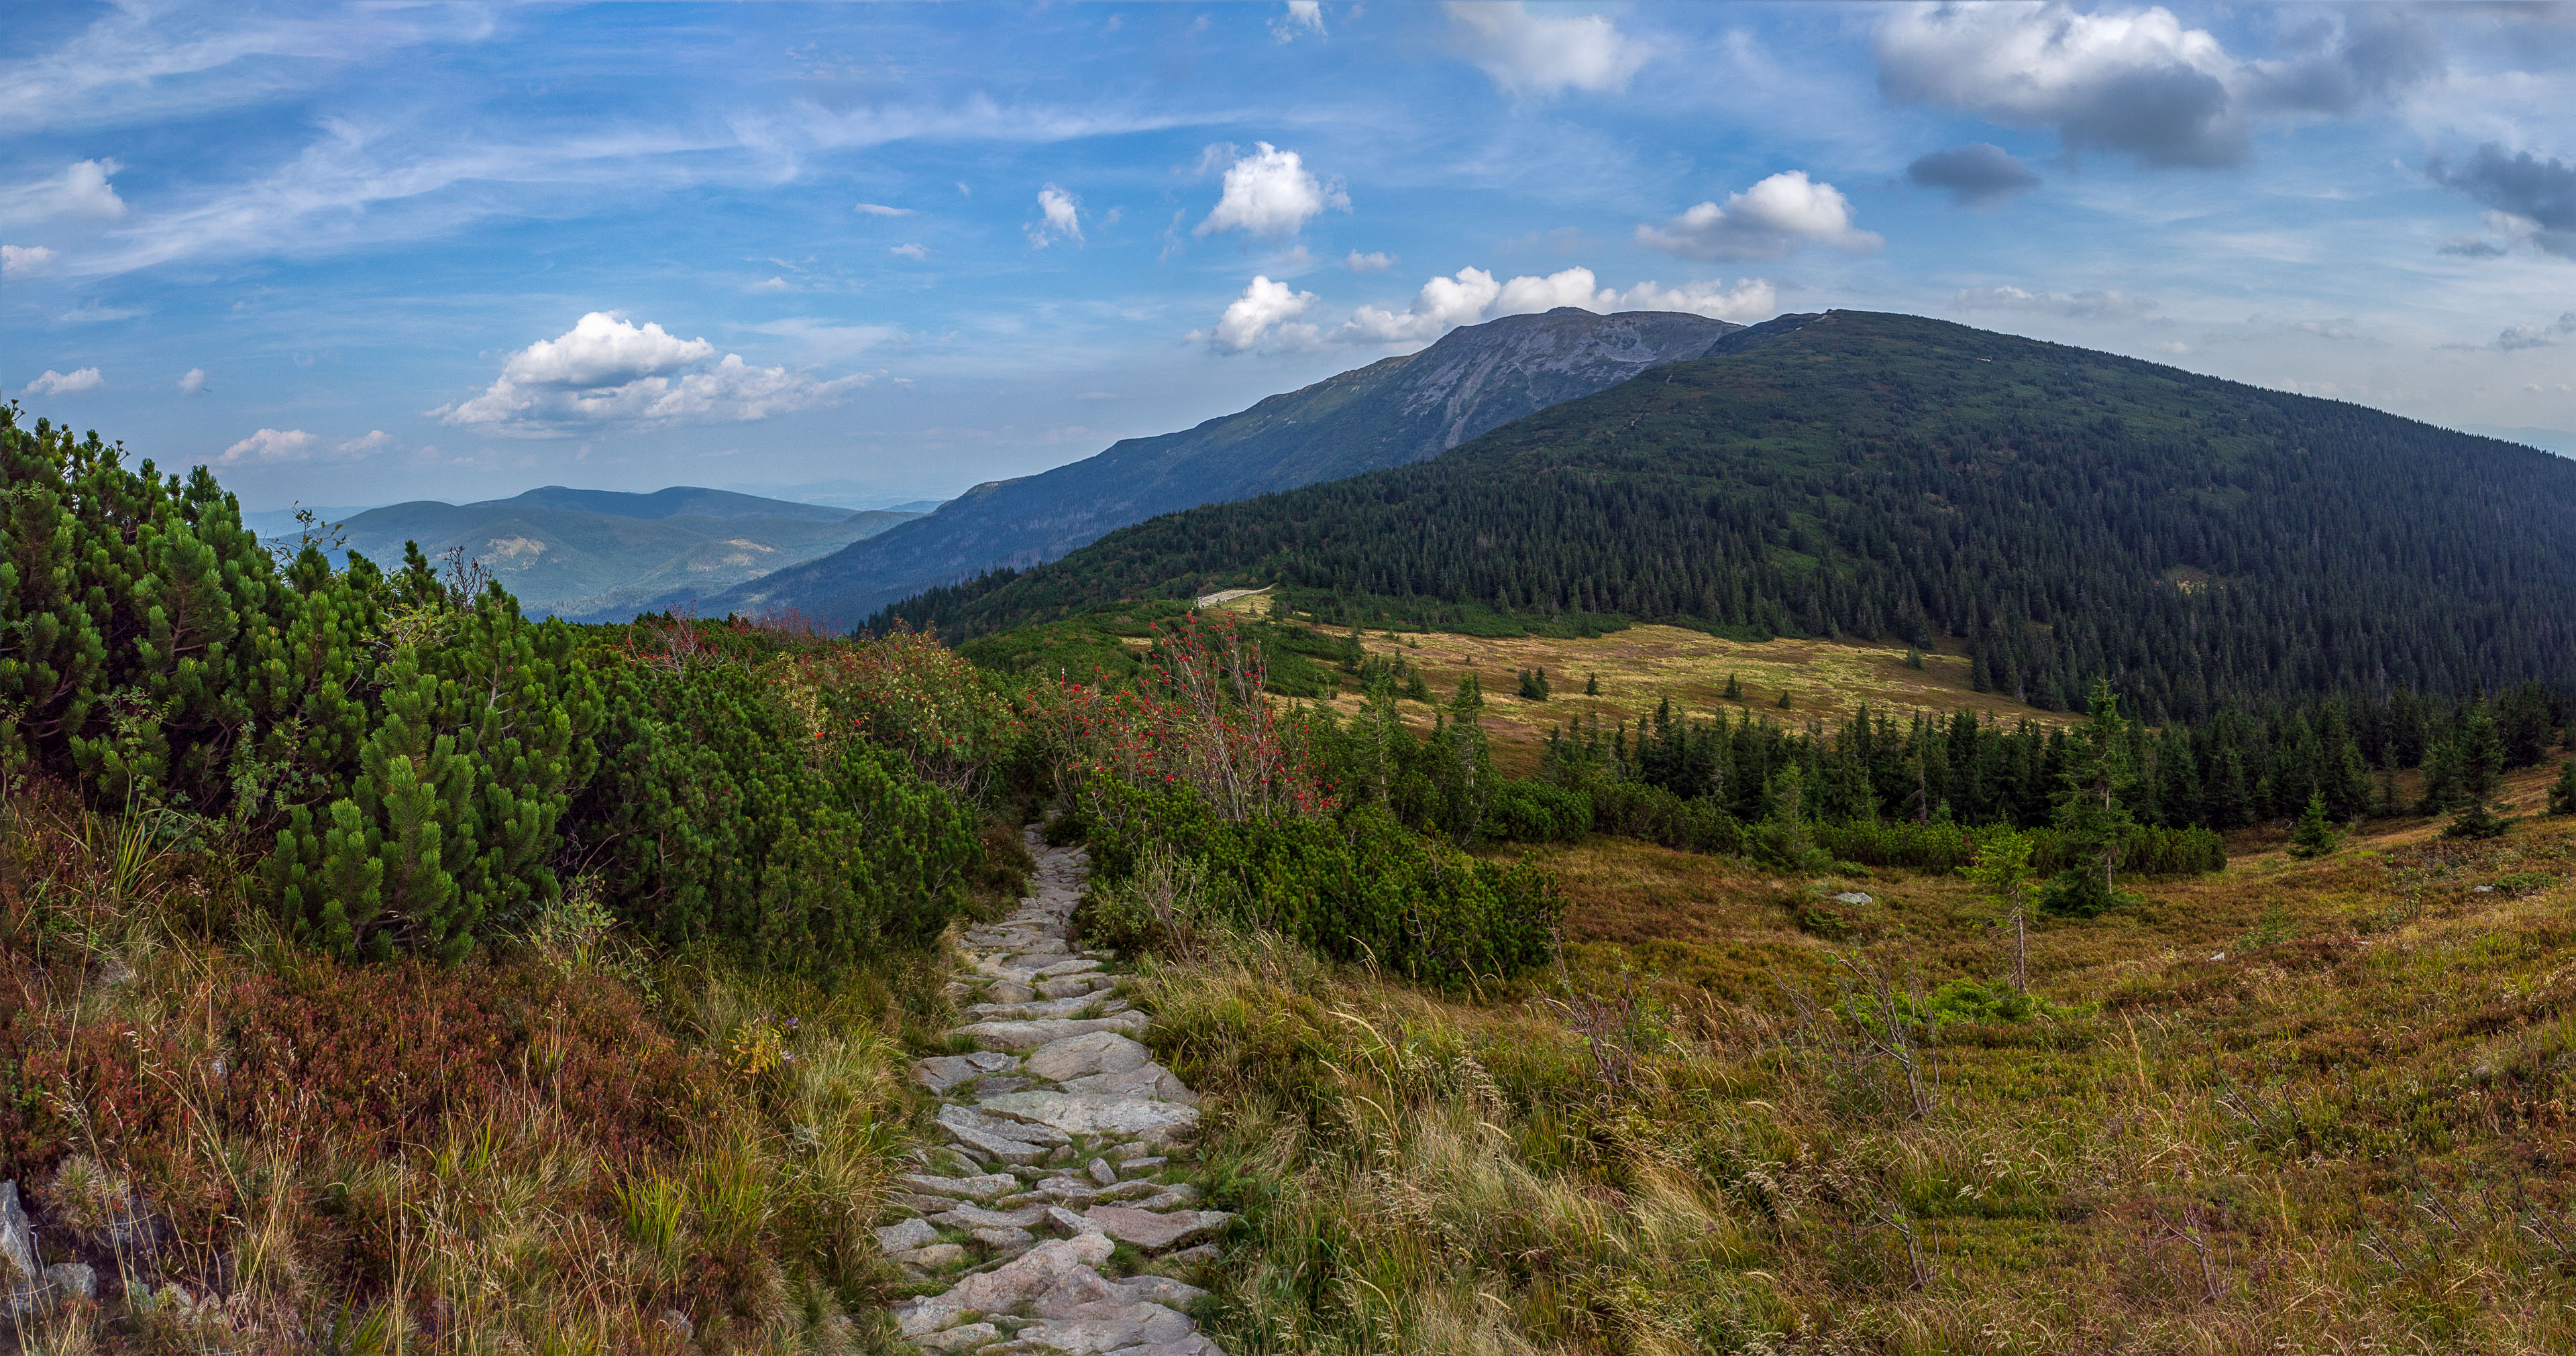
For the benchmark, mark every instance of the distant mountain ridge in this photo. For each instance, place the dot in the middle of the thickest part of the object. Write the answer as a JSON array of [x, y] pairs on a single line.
[[603, 555], [1391, 412]]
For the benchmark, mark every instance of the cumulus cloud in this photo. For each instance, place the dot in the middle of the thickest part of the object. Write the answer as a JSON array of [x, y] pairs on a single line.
[[1303, 17], [270, 446], [81, 191], [2090, 305], [609, 371], [1375, 261], [1059, 217], [1765, 221], [2533, 199], [192, 381], [2536, 336], [2136, 81], [1540, 54], [913, 252], [1474, 296], [1977, 174], [73, 382], [878, 209], [1751, 299], [18, 261], [1263, 317], [1270, 193], [376, 440]]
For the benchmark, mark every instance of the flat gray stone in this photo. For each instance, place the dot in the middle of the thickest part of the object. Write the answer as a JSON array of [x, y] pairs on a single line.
[[977, 1217], [1101, 1172], [1156, 1232], [939, 1073], [1087, 1053], [931, 1258], [1015, 1287], [993, 1145], [981, 1187], [1146, 1080], [907, 1235], [1068, 967], [959, 1338], [1006, 1239], [1070, 986], [1027, 1130], [1143, 1167], [1163, 1290], [1004, 991], [1105, 1326], [1081, 1113], [1059, 1007], [1073, 1225], [1026, 1036]]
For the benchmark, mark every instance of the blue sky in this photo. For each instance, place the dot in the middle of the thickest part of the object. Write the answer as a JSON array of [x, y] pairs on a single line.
[[351, 256]]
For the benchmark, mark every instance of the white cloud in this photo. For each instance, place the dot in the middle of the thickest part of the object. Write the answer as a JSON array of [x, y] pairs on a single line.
[[81, 191], [1474, 296], [1766, 221], [609, 371], [2137, 81], [1270, 193], [1060, 217], [376, 440], [19, 261], [1303, 16], [1751, 299], [913, 252], [772, 284], [193, 381], [1097, 395], [878, 209], [1261, 318], [1372, 262], [73, 382], [2087, 305], [1529, 53], [269, 446]]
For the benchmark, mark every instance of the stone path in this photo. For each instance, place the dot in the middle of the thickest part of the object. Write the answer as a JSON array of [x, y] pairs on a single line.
[[1064, 1141]]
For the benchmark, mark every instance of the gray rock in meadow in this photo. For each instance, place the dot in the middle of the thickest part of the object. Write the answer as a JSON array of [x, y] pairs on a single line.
[[1101, 1172], [1020, 1037], [931, 1258], [1077, 1113], [1151, 1081], [959, 1338], [939, 1073], [981, 1187], [1109, 1326]]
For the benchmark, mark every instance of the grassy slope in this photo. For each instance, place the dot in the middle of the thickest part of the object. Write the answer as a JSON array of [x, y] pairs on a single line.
[[2295, 1106]]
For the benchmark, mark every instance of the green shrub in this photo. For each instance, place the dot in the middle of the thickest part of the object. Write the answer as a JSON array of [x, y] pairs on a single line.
[[1537, 812], [1361, 887]]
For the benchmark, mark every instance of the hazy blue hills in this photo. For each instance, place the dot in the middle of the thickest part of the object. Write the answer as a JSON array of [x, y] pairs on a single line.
[[1389, 413], [603, 555]]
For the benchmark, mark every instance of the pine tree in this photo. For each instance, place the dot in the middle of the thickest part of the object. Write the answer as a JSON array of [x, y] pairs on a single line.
[[1734, 689], [2316, 836], [1784, 699], [2481, 754], [2562, 796], [1592, 685], [1914, 656]]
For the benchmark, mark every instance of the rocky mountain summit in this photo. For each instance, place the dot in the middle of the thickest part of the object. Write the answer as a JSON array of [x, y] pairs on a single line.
[[1391, 412], [1065, 1141]]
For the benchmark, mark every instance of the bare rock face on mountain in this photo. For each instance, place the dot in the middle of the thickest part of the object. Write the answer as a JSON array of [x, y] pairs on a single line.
[[1388, 413]]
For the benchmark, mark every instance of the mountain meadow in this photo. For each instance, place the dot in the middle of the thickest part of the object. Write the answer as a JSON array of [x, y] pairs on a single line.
[[1863, 836]]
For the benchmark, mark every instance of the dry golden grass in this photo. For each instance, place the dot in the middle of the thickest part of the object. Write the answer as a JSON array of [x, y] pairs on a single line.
[[1643, 665]]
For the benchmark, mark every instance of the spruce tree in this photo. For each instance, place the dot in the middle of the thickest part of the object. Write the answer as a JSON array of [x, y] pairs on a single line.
[[2316, 836], [2475, 820], [2090, 812], [2562, 796], [1592, 685], [1784, 699], [1734, 689]]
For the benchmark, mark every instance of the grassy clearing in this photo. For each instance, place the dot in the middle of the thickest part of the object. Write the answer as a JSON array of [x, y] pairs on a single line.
[[1642, 665], [2297, 1106]]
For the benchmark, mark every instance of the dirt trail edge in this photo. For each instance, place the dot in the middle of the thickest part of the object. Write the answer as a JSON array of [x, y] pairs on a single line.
[[1065, 1141]]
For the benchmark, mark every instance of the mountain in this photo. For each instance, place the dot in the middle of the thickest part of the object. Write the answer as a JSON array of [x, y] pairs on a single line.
[[1390, 412], [2058, 513], [2556, 440], [603, 555]]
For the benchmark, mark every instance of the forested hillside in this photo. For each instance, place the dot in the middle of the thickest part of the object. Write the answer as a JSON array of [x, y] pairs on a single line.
[[2061, 513]]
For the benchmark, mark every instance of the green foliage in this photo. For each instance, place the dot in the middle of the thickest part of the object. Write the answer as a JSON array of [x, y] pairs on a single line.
[[2090, 811], [1360, 887], [717, 816], [2474, 821], [1526, 811], [1592, 685], [1533, 684], [2315, 836], [2562, 793]]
